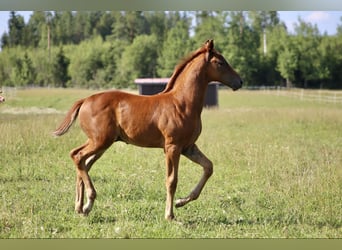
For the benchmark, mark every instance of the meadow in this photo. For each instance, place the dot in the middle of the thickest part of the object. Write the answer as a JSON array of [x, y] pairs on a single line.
[[277, 173]]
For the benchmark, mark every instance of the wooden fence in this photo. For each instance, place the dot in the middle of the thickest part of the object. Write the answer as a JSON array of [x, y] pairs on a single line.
[[318, 95]]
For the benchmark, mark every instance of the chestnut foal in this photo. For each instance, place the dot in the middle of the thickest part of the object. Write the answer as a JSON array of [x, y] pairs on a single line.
[[170, 120]]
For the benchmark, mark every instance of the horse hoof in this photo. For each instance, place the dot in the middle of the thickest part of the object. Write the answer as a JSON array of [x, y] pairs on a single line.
[[86, 211], [78, 210], [169, 217], [180, 203]]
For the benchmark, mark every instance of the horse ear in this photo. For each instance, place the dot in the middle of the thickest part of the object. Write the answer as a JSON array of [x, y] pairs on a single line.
[[209, 45]]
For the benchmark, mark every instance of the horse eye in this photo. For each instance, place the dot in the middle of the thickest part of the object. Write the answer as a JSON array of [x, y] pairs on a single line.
[[220, 63]]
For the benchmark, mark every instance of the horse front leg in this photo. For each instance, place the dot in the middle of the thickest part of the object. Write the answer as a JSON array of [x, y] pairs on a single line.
[[172, 155], [195, 155]]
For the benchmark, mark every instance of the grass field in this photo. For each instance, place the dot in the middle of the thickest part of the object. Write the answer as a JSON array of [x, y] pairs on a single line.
[[277, 173]]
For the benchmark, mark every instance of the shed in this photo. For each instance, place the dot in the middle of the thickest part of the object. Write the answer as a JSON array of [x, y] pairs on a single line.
[[151, 86]]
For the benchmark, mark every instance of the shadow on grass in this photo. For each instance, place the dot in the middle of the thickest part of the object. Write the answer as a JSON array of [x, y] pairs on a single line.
[[101, 219], [232, 213]]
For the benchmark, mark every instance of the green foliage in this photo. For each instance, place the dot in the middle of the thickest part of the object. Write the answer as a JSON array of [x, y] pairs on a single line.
[[99, 44], [308, 40], [85, 62], [211, 26], [139, 59], [23, 73], [176, 46], [36, 28], [129, 24], [60, 66], [16, 26], [241, 49]]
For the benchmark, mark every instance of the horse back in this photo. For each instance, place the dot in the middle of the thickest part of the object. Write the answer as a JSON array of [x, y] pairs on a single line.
[[147, 121]]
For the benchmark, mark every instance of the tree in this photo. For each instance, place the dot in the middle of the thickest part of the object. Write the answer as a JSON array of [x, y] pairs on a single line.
[[23, 73], [139, 59], [106, 49], [263, 20], [242, 47], [62, 27], [307, 41], [16, 26], [111, 61], [211, 25], [263, 23], [59, 69], [7, 60], [278, 41], [159, 25], [5, 41], [35, 28], [104, 25], [339, 28], [128, 25], [330, 61], [175, 47], [287, 64], [157, 22]]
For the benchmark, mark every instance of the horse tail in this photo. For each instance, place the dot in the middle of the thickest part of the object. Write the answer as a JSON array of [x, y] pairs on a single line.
[[69, 118]]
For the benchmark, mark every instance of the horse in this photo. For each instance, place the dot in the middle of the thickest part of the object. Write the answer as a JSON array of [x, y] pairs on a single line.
[[170, 120]]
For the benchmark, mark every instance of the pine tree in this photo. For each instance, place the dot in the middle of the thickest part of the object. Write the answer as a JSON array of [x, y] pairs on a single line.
[[60, 69], [23, 72], [16, 26]]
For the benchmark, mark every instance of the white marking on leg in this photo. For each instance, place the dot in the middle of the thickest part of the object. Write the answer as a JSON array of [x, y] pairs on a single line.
[[89, 159]]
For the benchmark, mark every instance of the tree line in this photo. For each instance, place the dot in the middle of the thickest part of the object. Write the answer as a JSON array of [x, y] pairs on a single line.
[[106, 49]]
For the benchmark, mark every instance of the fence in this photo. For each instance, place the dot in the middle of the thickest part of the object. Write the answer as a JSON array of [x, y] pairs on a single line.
[[319, 95]]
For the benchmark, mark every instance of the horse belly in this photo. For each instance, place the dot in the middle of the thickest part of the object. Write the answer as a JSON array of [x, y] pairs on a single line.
[[142, 137]]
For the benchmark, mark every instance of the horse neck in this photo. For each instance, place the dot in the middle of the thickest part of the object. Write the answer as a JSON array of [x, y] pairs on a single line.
[[191, 85]]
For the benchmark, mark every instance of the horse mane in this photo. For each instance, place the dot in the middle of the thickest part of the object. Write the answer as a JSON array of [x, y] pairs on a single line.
[[179, 67]]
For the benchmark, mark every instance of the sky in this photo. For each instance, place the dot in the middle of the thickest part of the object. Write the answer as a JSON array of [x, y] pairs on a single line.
[[326, 21]]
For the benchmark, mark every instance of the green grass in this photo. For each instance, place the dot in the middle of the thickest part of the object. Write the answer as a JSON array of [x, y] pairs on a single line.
[[277, 173]]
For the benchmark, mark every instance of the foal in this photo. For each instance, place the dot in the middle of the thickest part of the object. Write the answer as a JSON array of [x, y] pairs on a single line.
[[170, 120]]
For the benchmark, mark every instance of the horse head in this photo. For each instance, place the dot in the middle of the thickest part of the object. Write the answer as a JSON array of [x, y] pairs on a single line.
[[219, 69]]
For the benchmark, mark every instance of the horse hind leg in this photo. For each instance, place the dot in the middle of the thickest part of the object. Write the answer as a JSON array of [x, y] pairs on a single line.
[[195, 155], [84, 157], [79, 197], [91, 195]]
